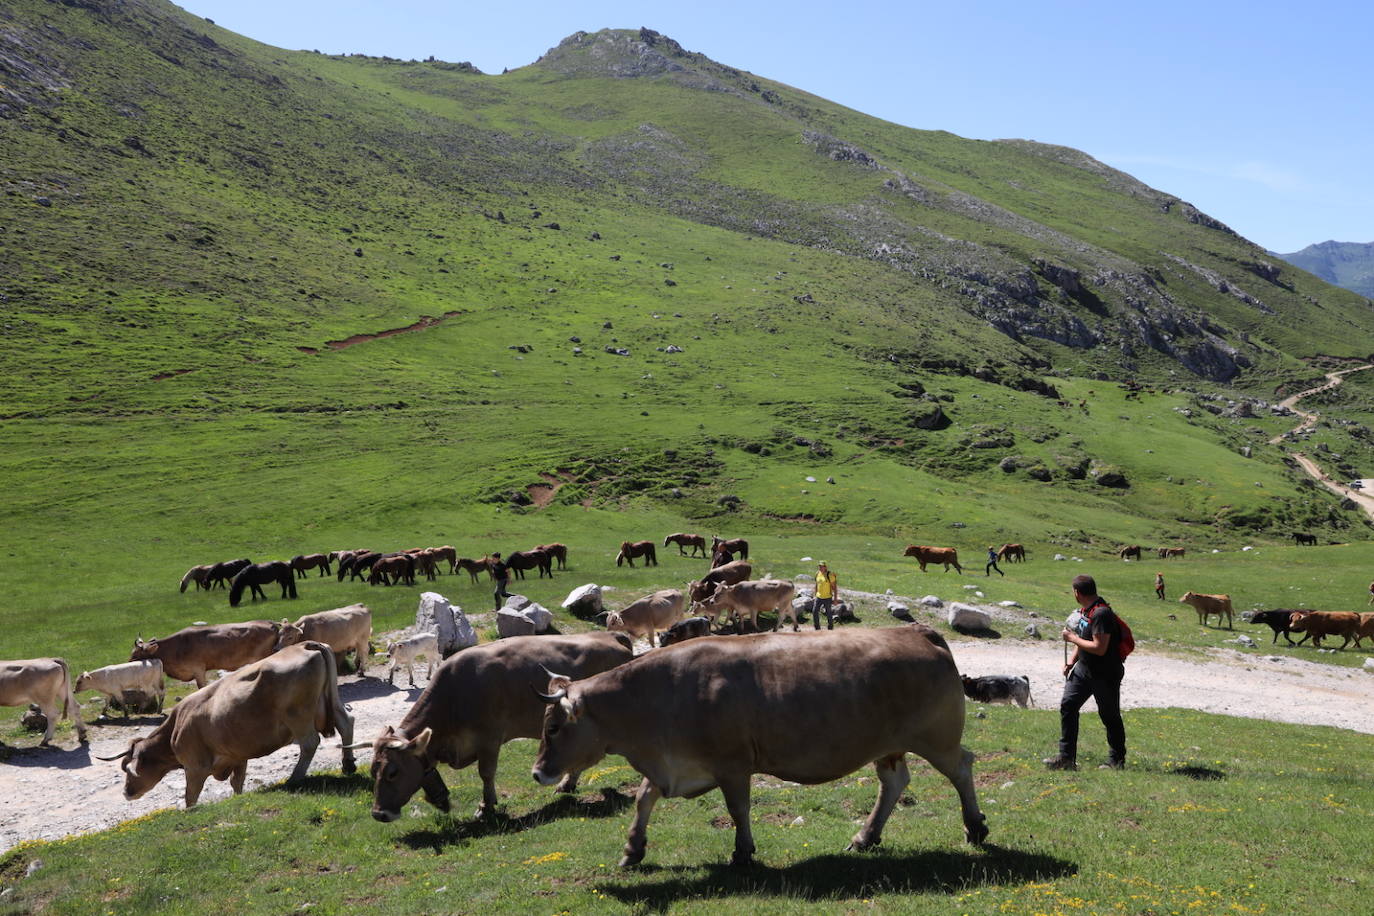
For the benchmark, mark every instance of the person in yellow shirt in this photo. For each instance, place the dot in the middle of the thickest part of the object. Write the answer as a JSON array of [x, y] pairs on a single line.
[[827, 590]]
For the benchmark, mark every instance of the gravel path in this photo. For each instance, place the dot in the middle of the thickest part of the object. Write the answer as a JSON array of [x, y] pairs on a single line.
[[46, 793]]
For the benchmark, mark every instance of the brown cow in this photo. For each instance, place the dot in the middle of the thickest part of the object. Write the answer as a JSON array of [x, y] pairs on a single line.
[[695, 541], [343, 629], [1366, 628], [948, 556], [1321, 624], [556, 551], [712, 712], [291, 696], [1013, 553], [47, 683], [628, 552], [189, 654], [751, 598], [1130, 551], [648, 615], [476, 701], [1207, 605], [728, 574]]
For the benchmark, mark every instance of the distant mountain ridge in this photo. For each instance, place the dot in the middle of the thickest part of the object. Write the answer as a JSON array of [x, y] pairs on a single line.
[[1346, 264]]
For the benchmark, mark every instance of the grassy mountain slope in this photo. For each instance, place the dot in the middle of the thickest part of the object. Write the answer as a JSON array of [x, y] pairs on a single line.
[[191, 218]]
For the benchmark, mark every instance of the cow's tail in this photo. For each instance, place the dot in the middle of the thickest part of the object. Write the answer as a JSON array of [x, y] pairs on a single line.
[[331, 688], [69, 704]]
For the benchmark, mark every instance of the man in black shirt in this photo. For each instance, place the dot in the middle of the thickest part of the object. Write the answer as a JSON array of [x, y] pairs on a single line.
[[501, 573], [1093, 670]]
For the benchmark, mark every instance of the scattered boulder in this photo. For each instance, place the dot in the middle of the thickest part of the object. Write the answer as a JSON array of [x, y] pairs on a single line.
[[1060, 556], [510, 622], [584, 601], [1008, 604], [1033, 631], [968, 617], [932, 601], [1245, 641], [1369, 664], [844, 612], [33, 720], [900, 611], [448, 623]]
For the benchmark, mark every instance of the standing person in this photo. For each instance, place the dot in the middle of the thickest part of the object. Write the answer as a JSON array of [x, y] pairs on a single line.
[[1159, 585], [827, 590], [1093, 670], [501, 573], [1371, 593], [992, 563]]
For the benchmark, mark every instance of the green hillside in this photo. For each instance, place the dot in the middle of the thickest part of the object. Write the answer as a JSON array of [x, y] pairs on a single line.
[[674, 289], [1346, 264]]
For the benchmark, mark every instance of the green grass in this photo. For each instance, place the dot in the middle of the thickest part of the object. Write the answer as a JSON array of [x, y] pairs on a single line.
[[1209, 818]]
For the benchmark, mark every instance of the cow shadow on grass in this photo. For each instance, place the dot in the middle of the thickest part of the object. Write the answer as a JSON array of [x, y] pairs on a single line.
[[452, 831], [371, 688], [840, 876], [326, 784]]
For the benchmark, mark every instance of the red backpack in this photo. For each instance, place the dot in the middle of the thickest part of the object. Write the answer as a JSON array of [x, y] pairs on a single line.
[[1125, 645]]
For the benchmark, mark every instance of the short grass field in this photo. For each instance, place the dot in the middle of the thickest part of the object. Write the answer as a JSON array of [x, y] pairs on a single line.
[[1214, 816]]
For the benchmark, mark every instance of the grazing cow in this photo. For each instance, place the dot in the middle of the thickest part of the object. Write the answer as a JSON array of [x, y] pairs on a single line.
[[473, 567], [478, 700], [628, 552], [521, 560], [648, 615], [711, 713], [695, 541], [47, 683], [254, 575], [344, 629], [406, 651], [1167, 553], [1366, 628], [752, 597], [998, 688], [691, 628], [144, 677], [1207, 605], [223, 573], [291, 696], [948, 556], [189, 654], [1279, 621], [197, 575], [557, 552], [1300, 538], [731, 545], [1321, 624], [728, 574], [1012, 553], [1130, 552], [302, 562]]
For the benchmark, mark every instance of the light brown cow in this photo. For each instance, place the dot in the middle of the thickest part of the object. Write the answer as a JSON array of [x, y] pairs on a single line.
[[476, 701], [710, 713], [1207, 605], [648, 615], [144, 677], [190, 654], [289, 697], [751, 598], [344, 629], [1366, 628], [1321, 624], [728, 574], [47, 683], [948, 556]]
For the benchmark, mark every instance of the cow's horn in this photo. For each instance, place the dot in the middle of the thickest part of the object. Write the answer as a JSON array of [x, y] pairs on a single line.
[[550, 697], [117, 756], [355, 746]]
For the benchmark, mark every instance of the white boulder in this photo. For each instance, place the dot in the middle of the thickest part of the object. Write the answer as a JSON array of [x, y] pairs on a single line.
[[584, 601], [968, 617], [932, 601], [510, 622], [449, 624]]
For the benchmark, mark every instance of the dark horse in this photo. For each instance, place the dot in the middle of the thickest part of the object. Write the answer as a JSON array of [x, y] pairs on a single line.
[[694, 541], [254, 575], [557, 551], [224, 572], [358, 563], [734, 545], [522, 560], [1301, 538], [629, 551]]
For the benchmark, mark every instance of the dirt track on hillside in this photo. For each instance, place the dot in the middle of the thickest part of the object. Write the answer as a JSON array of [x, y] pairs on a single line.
[[1313, 470]]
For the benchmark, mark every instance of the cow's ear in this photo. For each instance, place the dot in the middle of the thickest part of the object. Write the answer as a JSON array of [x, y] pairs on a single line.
[[420, 743], [572, 708]]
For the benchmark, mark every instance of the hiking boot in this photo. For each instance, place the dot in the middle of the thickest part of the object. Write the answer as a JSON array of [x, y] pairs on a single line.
[[1060, 763], [1112, 765]]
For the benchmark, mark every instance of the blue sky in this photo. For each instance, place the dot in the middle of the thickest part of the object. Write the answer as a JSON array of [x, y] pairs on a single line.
[[1260, 114]]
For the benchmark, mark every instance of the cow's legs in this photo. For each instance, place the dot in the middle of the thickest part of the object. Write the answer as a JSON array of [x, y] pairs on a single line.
[[486, 768], [736, 792], [957, 766], [50, 712], [568, 785], [635, 843], [893, 777], [308, 743], [237, 776], [195, 781]]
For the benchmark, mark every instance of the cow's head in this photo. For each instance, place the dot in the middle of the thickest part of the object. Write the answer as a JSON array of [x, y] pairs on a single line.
[[1186, 597], [82, 683], [570, 741], [143, 650], [288, 634], [1298, 621], [614, 622], [400, 767], [147, 760]]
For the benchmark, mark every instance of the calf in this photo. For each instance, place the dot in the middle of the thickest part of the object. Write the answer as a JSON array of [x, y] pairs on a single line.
[[1321, 624], [46, 683], [648, 615], [1207, 605], [751, 597], [998, 688], [144, 676], [691, 628], [406, 651]]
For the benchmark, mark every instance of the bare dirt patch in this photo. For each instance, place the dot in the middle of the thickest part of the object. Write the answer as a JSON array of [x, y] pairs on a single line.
[[426, 321]]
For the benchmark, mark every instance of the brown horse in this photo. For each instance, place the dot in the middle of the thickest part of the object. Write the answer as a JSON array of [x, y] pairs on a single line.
[[628, 552], [446, 553], [301, 562], [472, 567], [197, 575], [223, 573], [694, 541], [733, 545], [1013, 553], [521, 560], [558, 552], [1131, 551], [389, 570], [426, 563]]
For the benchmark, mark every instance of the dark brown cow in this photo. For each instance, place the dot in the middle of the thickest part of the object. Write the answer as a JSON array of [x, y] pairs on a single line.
[[728, 574], [190, 654], [712, 712], [695, 541], [476, 701], [291, 696], [1279, 620], [628, 552], [557, 551], [948, 556], [691, 628], [1321, 624]]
